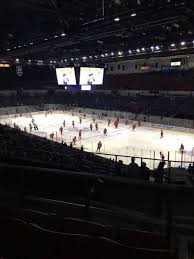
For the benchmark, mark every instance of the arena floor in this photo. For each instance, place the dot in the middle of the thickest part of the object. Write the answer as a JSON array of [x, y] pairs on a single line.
[[143, 142]]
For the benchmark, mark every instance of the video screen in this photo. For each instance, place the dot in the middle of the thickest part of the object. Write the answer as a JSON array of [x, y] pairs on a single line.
[[66, 76], [175, 63], [86, 88], [91, 76]]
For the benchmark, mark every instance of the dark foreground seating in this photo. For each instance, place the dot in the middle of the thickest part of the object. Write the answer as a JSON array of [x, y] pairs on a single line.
[[19, 239]]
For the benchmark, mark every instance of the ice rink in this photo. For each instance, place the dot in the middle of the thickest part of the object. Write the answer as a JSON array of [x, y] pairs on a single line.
[[143, 142]]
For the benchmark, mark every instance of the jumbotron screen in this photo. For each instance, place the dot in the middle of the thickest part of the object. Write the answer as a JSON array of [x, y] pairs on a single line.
[[91, 76], [66, 76]]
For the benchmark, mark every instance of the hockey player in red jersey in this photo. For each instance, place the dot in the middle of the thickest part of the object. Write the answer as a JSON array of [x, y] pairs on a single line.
[[133, 126], [80, 134], [105, 132], [96, 125], [99, 145], [116, 124], [182, 148], [161, 134], [109, 122], [91, 126], [74, 140], [61, 130]]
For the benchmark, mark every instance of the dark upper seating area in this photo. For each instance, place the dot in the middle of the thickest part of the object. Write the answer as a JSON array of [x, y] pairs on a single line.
[[180, 107], [168, 81]]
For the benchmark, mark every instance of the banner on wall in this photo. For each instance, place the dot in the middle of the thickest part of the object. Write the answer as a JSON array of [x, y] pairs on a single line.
[[19, 71]]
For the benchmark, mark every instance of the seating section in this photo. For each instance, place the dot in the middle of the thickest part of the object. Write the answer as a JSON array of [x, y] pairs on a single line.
[[33, 234], [180, 107]]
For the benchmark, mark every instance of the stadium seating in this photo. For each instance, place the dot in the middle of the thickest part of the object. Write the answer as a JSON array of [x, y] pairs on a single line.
[[70, 238]]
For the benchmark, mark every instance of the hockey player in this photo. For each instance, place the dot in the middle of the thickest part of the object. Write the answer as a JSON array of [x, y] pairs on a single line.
[[74, 140], [80, 134], [133, 126], [64, 123], [30, 126], [94, 120], [116, 124], [105, 132], [84, 115], [73, 124], [91, 126], [99, 145], [96, 126], [52, 136], [25, 129], [80, 119], [109, 122], [126, 122], [61, 130], [182, 148], [161, 134]]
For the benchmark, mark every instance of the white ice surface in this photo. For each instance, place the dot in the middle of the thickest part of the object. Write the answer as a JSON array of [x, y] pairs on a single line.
[[143, 142]]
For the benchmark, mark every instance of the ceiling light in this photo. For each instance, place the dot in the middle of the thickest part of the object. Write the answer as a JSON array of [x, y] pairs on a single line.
[[8, 49], [17, 60], [172, 45], [106, 54], [72, 59], [76, 58], [45, 39], [112, 53], [138, 50], [96, 56], [116, 19], [183, 43], [65, 60], [15, 47], [63, 34], [133, 14], [31, 43], [90, 57], [29, 60], [143, 49], [157, 47], [19, 46], [129, 51], [152, 48], [120, 53], [84, 57], [56, 36], [102, 55]]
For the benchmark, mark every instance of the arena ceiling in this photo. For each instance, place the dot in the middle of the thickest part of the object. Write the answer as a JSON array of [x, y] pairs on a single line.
[[94, 30]]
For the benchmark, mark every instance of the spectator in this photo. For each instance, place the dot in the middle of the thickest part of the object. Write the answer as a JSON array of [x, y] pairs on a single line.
[[144, 172], [133, 164]]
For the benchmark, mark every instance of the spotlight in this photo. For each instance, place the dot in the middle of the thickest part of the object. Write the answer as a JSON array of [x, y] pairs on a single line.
[[116, 19], [183, 43], [157, 48], [120, 53], [133, 14], [143, 49], [63, 34], [138, 50]]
